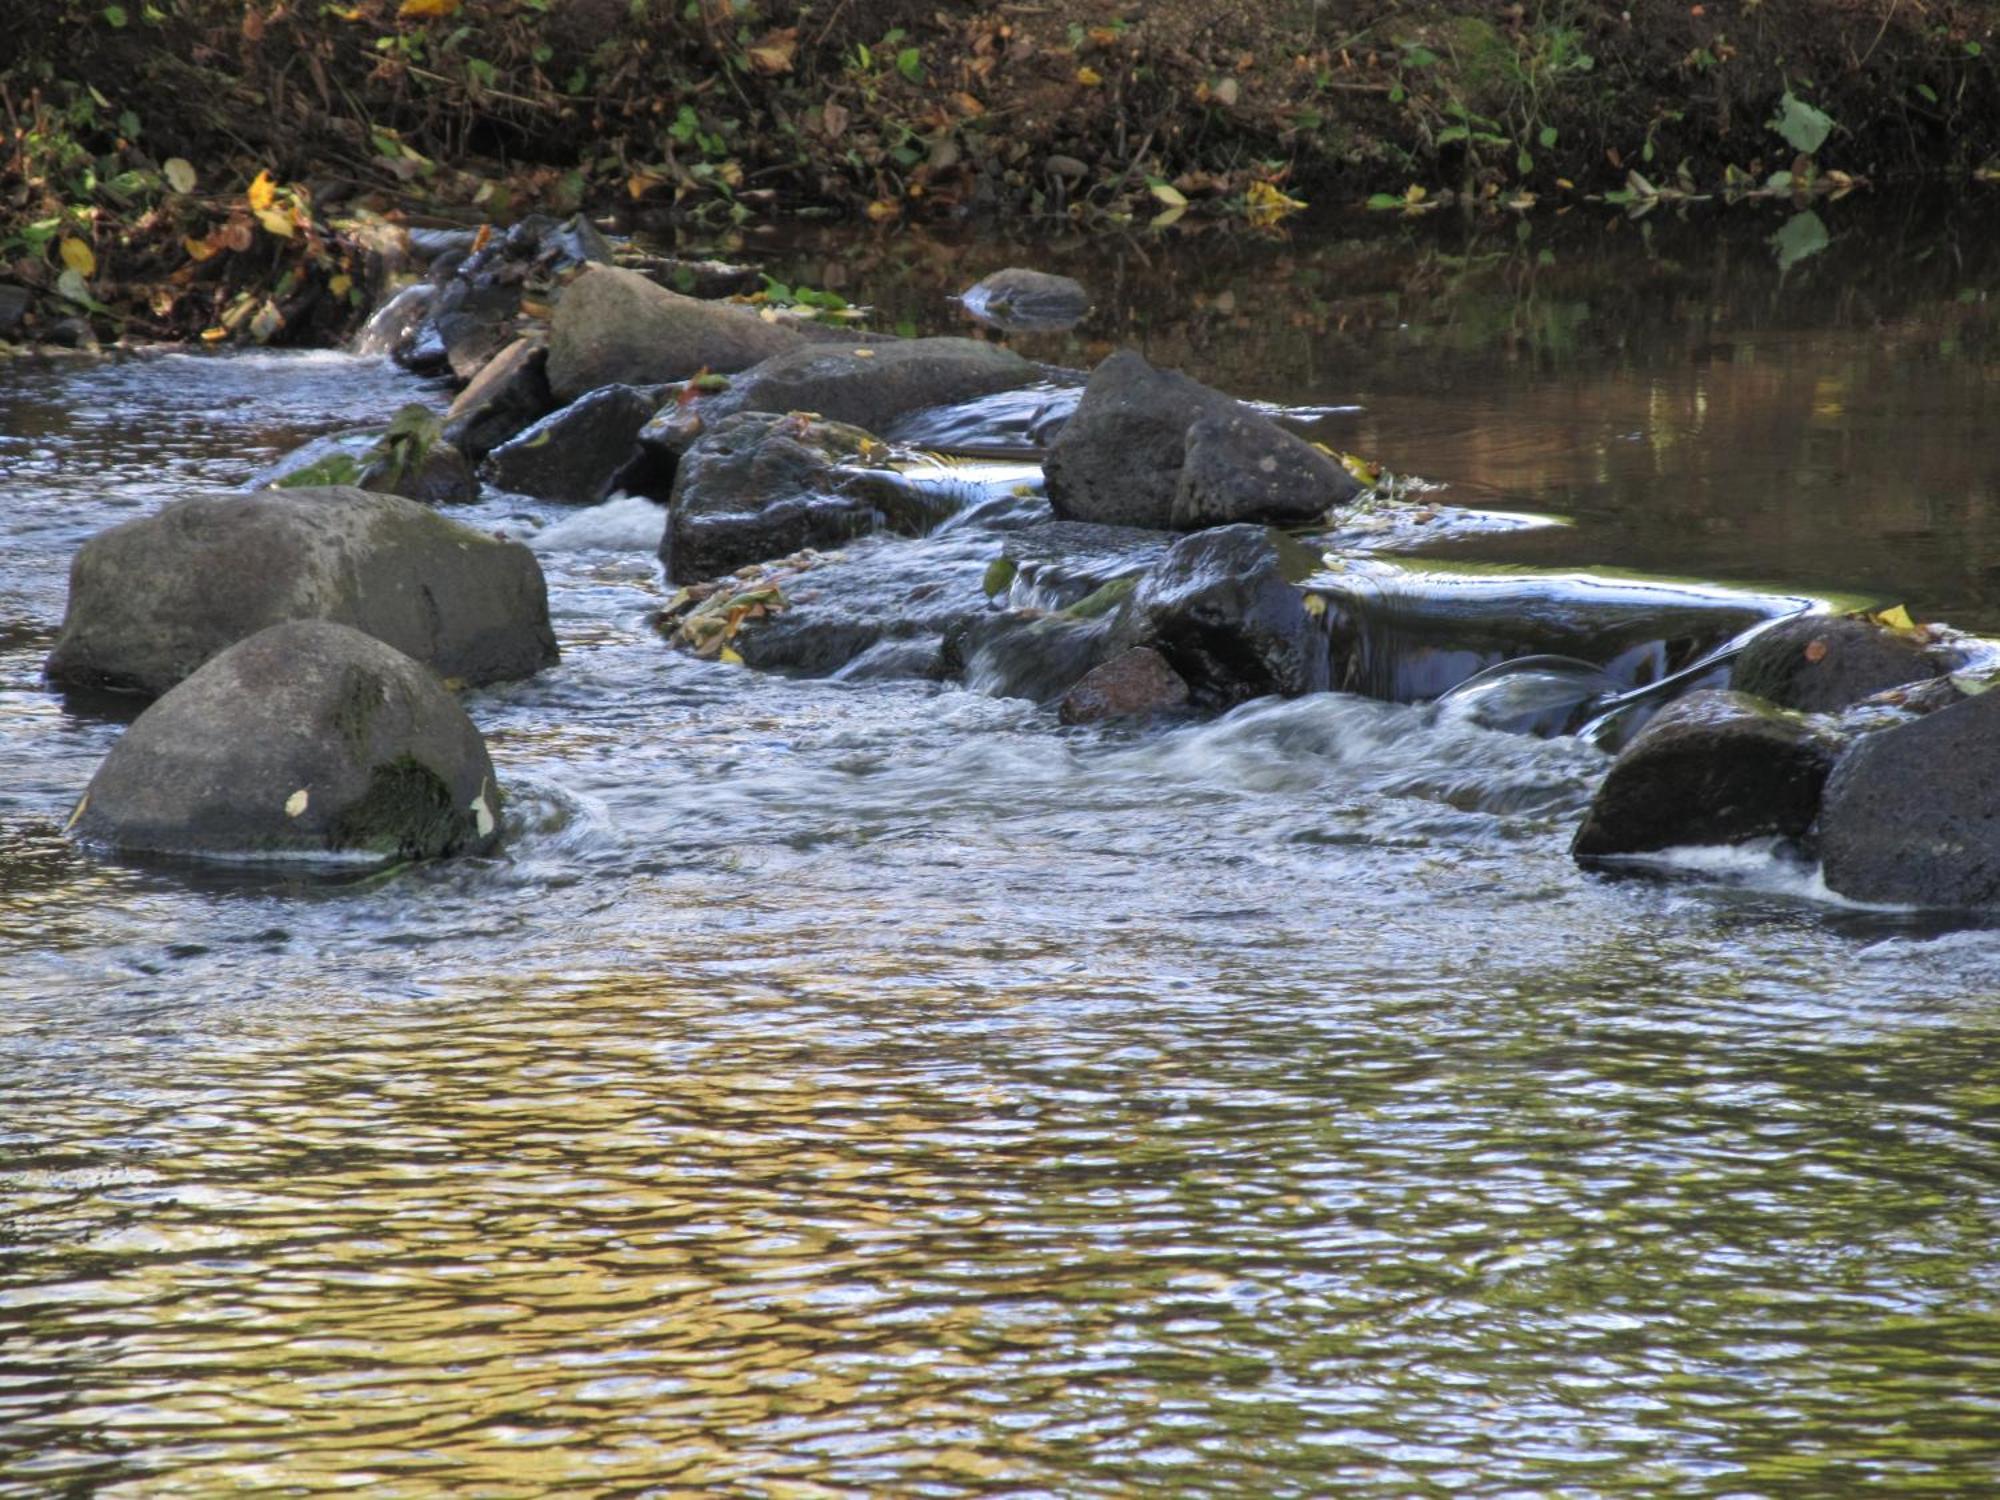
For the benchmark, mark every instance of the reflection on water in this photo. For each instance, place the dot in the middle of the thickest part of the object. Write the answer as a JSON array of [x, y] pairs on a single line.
[[850, 1089]]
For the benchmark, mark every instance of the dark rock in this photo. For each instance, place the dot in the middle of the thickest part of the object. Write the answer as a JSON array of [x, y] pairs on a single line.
[[1912, 814], [1151, 447], [1823, 663], [1032, 654], [1223, 610], [306, 738], [1134, 682], [694, 278], [422, 353], [474, 322], [1711, 768], [1028, 300], [508, 395], [1058, 564], [758, 486], [154, 598], [14, 304], [616, 327], [71, 333], [576, 454], [443, 478], [864, 385]]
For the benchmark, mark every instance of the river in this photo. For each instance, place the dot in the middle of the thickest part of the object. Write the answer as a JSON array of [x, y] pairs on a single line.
[[849, 1088]]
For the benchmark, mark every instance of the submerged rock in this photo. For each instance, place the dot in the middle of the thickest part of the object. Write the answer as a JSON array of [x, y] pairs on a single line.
[[306, 738], [152, 599], [1711, 768], [866, 385], [1824, 663], [510, 393], [1222, 609], [615, 327], [1151, 447], [575, 455], [1029, 301], [1135, 682], [1912, 814]]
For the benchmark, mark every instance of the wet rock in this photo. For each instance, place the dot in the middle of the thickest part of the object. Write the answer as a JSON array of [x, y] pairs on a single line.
[[575, 455], [154, 598], [1029, 301], [1714, 767], [1058, 564], [1151, 447], [758, 486], [1135, 682], [474, 322], [866, 385], [510, 394], [1912, 814], [694, 278], [882, 607], [616, 327], [442, 478], [14, 304], [1223, 610], [306, 738], [1823, 663], [1032, 654]]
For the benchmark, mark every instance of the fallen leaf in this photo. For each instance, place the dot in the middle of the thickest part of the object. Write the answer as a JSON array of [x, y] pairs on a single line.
[[276, 222], [774, 53], [1170, 195], [340, 284], [1090, 78], [426, 9], [214, 335], [180, 174], [78, 256], [882, 210], [262, 192]]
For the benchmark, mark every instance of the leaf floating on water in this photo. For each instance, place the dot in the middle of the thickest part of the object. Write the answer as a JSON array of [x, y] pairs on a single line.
[[1265, 205]]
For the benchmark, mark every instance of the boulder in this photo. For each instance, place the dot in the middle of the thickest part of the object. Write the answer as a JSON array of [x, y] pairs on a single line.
[[509, 394], [1029, 653], [442, 477], [866, 385], [306, 738], [1912, 814], [615, 327], [474, 320], [1715, 767], [1224, 611], [1151, 447], [1028, 301], [1135, 682], [1824, 663], [152, 599], [758, 486], [575, 455]]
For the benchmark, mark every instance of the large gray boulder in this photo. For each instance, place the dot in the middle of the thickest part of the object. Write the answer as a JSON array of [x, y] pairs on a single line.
[[1151, 447], [152, 599], [575, 455], [615, 327], [1912, 814], [1823, 663], [1225, 612], [866, 385], [1711, 768], [757, 486], [307, 738]]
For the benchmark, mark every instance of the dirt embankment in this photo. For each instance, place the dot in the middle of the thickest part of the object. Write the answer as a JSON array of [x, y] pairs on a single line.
[[189, 162]]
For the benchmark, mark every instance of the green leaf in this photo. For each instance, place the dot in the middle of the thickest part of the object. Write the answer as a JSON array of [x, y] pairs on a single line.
[[115, 15], [910, 63], [1926, 93], [1453, 133], [1802, 236], [1547, 136], [1973, 49], [1384, 201], [1417, 56], [1523, 162], [1804, 128]]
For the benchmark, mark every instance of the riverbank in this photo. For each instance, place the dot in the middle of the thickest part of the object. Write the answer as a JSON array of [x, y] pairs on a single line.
[[193, 166]]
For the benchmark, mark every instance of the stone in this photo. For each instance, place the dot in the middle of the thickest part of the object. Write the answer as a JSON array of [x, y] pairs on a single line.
[[306, 738], [616, 327], [151, 599], [14, 304], [1912, 814], [1029, 301], [474, 322], [1222, 609], [1715, 767], [443, 478], [1135, 682], [509, 394], [866, 385], [575, 455], [1824, 663], [1029, 653], [758, 486]]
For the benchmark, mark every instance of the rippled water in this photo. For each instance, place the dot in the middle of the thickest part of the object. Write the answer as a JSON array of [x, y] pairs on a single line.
[[870, 1088]]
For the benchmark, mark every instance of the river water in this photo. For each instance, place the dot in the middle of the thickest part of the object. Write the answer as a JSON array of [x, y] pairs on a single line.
[[862, 1088]]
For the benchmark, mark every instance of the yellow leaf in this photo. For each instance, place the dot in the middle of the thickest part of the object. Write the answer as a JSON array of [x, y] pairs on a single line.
[[730, 657], [425, 9], [340, 284], [882, 210], [78, 256], [1413, 194], [197, 249], [1170, 195], [1090, 78], [262, 192], [276, 221], [1264, 205], [214, 335], [1896, 617], [345, 12]]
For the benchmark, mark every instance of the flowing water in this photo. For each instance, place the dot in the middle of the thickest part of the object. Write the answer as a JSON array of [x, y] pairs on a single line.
[[868, 1087]]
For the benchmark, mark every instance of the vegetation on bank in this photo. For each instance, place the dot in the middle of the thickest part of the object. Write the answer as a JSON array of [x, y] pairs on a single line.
[[215, 168]]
